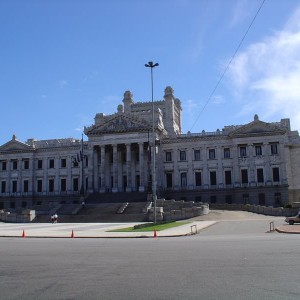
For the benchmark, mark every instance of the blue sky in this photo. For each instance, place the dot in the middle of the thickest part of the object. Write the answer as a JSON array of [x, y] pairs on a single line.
[[63, 61]]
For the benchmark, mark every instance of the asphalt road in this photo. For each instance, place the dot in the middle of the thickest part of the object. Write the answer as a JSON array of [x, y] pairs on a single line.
[[234, 259]]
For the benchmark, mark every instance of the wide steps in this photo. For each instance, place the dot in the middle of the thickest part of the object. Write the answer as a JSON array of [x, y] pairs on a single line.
[[98, 212], [117, 197]]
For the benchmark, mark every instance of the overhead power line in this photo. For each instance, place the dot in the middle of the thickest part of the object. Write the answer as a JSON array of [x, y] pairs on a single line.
[[228, 65]]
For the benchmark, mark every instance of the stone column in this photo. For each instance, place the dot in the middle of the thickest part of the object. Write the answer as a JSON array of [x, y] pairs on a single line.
[[128, 167], [220, 171], [252, 158], [176, 178], [205, 172], [236, 166], [102, 170], [57, 162], [94, 168], [69, 177], [190, 171], [20, 177], [115, 169], [141, 162]]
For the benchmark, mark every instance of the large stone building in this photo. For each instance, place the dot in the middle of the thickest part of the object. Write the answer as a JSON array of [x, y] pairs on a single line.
[[253, 163]]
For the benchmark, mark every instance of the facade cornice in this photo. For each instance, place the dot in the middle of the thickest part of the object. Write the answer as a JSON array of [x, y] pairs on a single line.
[[121, 123], [184, 139]]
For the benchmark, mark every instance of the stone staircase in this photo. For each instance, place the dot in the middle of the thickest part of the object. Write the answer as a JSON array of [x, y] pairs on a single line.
[[98, 213], [117, 197]]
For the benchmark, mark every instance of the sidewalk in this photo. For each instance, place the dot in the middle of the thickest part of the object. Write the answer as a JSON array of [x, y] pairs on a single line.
[[93, 230], [294, 229]]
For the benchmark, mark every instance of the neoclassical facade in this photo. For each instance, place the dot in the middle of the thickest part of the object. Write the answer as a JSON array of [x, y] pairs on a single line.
[[254, 163]]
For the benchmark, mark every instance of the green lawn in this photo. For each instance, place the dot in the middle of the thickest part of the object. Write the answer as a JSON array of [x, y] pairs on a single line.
[[157, 227]]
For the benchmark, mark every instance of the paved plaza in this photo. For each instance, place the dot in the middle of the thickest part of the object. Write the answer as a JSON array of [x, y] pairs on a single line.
[[104, 230], [92, 230]]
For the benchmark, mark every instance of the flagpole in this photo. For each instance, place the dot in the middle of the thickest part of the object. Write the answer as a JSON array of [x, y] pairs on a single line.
[[81, 167]]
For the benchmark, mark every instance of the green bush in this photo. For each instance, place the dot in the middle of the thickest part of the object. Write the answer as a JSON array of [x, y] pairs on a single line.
[[288, 205]]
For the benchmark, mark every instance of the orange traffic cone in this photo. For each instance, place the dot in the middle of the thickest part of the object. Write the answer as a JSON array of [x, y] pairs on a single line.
[[72, 234], [155, 233], [23, 234]]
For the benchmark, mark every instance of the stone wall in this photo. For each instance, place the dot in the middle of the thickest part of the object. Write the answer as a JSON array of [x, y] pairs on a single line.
[[265, 210], [171, 210], [25, 216]]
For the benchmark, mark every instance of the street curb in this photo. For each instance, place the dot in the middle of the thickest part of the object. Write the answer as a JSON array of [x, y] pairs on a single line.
[[94, 237], [287, 232]]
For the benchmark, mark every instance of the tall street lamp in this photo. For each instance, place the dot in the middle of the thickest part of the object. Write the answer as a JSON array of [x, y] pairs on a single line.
[[152, 65], [81, 167]]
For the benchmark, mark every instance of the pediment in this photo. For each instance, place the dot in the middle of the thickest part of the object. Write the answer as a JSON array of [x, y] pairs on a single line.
[[15, 145], [119, 124], [258, 128]]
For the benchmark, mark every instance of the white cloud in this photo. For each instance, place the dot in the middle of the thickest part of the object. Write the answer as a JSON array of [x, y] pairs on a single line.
[[63, 83], [267, 75], [189, 106], [79, 129], [218, 99], [241, 10]]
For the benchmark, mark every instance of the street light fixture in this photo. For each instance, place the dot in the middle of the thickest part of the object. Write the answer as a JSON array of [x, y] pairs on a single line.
[[151, 65], [81, 158]]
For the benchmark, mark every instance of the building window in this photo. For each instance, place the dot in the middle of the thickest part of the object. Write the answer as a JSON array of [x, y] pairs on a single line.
[[3, 187], [213, 199], [261, 199], [183, 179], [244, 174], [75, 162], [226, 152], [243, 151], [213, 177], [63, 184], [63, 163], [51, 185], [258, 150], [278, 199], [137, 181], [25, 186], [40, 185], [276, 174], [40, 164], [274, 149], [228, 199], [137, 156], [87, 161], [124, 158], [75, 185], [14, 186], [197, 154], [4, 166], [15, 164], [198, 179], [211, 153], [168, 156], [26, 164], [245, 198], [182, 155], [51, 163], [228, 177], [169, 180], [260, 175]]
